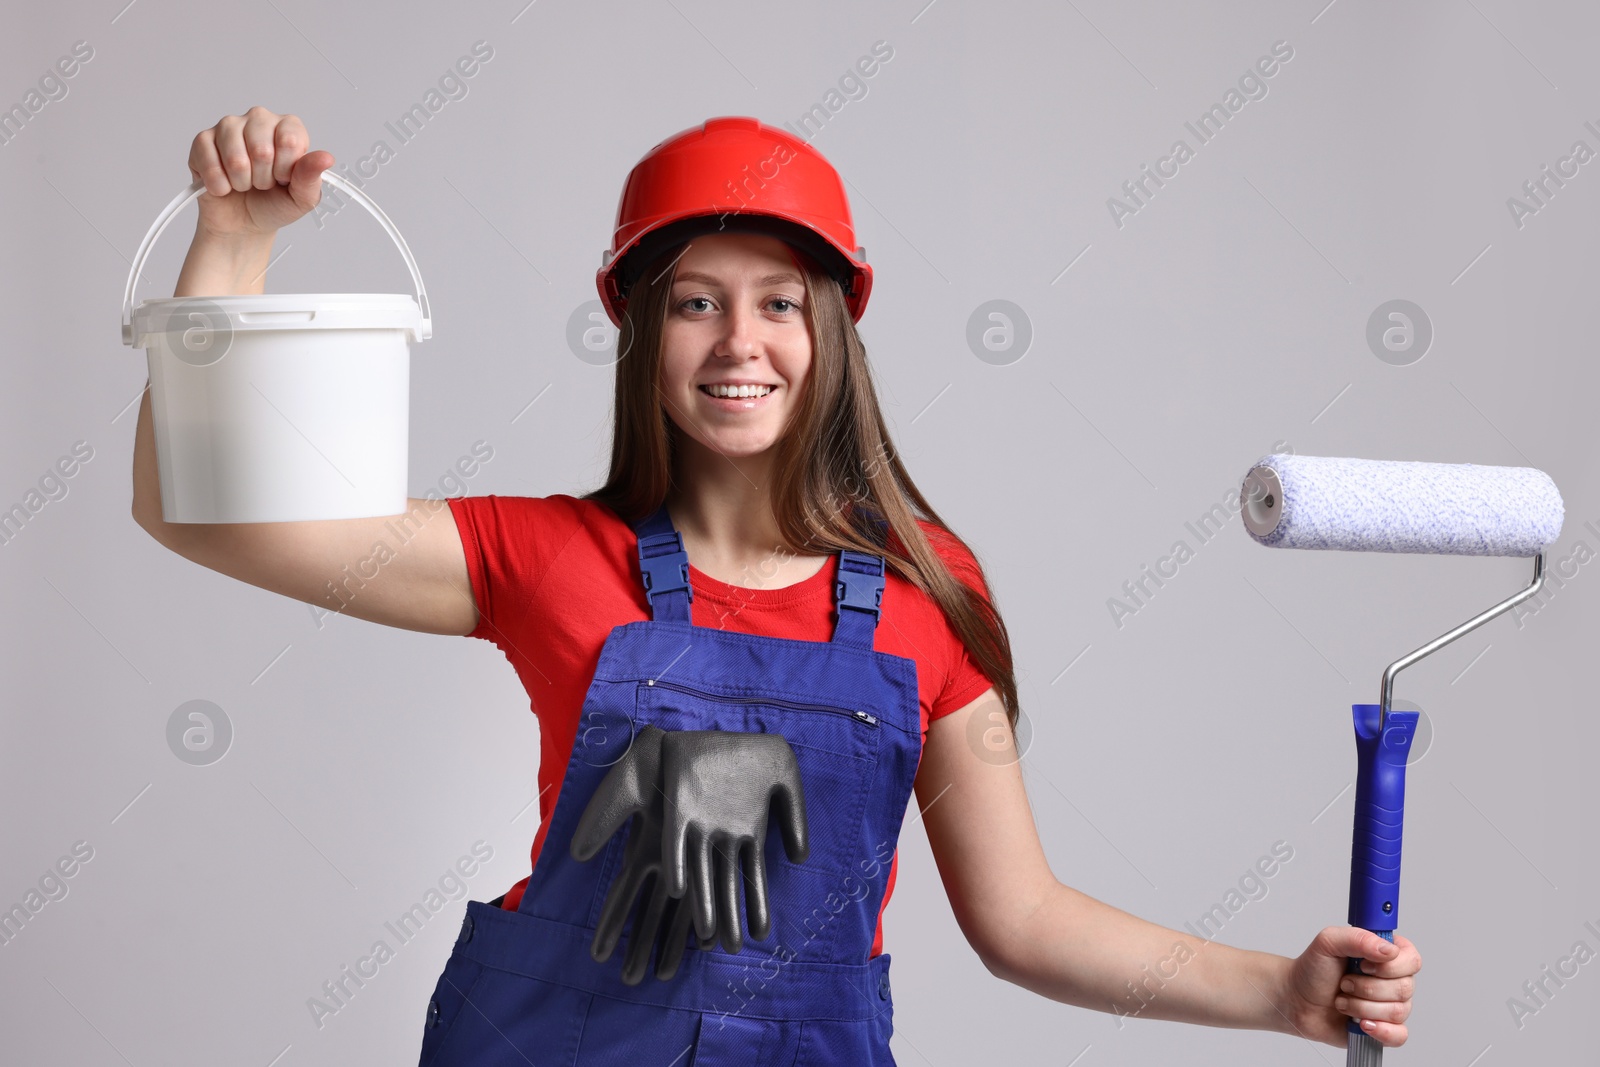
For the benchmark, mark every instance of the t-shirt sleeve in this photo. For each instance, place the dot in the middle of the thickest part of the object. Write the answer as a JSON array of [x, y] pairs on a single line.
[[965, 681], [510, 543]]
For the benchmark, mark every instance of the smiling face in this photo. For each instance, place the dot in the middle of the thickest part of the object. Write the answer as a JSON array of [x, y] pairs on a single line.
[[736, 344]]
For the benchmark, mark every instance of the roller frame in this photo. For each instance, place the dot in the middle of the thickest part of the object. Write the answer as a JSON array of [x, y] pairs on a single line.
[[1383, 743]]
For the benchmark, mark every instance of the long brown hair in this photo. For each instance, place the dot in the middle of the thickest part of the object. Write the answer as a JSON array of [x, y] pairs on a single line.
[[839, 482]]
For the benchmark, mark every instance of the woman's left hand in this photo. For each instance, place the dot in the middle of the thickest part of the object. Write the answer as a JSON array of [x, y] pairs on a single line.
[[1320, 997]]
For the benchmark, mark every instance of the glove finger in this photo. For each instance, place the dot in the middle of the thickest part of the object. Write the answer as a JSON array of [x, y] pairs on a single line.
[[616, 798], [609, 928], [790, 805], [729, 925], [619, 898], [642, 938], [674, 847], [755, 888], [679, 917], [700, 874]]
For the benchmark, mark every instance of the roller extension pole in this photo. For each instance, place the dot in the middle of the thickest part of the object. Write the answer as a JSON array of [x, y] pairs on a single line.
[[1387, 506]]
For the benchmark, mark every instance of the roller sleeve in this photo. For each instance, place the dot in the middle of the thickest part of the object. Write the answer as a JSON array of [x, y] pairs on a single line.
[[1371, 505]]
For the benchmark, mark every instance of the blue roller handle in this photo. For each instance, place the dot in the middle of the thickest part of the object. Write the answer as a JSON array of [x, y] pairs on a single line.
[[1380, 815]]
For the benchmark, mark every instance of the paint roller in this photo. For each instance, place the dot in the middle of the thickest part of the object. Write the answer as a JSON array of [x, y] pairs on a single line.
[[1369, 505]]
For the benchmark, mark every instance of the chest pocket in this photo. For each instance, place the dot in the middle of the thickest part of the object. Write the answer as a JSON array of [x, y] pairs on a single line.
[[837, 752]]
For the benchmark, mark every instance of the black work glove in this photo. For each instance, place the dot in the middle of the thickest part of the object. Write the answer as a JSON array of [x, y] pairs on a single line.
[[631, 792], [719, 787]]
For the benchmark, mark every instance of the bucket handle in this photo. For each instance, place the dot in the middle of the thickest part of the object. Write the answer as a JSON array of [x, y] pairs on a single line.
[[425, 329]]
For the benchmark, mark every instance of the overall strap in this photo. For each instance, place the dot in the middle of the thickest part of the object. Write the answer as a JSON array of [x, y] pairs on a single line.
[[857, 596], [664, 568]]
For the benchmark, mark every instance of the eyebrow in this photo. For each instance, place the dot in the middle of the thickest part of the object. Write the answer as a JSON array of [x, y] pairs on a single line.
[[770, 279]]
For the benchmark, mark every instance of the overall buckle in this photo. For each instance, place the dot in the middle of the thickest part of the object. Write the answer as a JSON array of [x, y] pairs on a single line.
[[668, 571], [861, 589]]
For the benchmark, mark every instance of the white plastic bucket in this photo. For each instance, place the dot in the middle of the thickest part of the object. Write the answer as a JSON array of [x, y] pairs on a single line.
[[279, 407]]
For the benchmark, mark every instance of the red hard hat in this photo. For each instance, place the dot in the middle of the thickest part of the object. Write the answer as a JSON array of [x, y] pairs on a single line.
[[732, 173]]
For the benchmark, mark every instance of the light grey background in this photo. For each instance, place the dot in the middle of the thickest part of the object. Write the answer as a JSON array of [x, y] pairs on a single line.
[[1227, 315]]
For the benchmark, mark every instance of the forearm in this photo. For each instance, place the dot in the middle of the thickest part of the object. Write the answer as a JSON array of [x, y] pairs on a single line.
[[1078, 950], [224, 266], [146, 478]]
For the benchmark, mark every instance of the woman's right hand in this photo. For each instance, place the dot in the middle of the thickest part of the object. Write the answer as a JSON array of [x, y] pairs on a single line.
[[257, 172]]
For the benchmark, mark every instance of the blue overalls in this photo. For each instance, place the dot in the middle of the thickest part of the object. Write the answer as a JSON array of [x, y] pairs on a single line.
[[521, 987]]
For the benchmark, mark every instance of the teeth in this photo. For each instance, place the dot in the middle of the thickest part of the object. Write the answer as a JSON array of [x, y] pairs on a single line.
[[738, 390]]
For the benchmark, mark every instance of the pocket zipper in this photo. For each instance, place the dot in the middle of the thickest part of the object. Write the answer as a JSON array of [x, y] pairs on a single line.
[[865, 718]]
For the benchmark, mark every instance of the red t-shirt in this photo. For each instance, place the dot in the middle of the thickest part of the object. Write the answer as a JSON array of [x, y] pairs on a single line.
[[553, 575]]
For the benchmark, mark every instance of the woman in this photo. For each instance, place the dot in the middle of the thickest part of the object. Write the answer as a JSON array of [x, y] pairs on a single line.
[[733, 271]]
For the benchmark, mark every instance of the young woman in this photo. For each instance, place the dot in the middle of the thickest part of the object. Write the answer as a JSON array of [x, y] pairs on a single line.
[[758, 579]]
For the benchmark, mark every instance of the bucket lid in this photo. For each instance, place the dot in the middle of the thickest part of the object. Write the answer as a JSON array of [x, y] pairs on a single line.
[[252, 312]]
